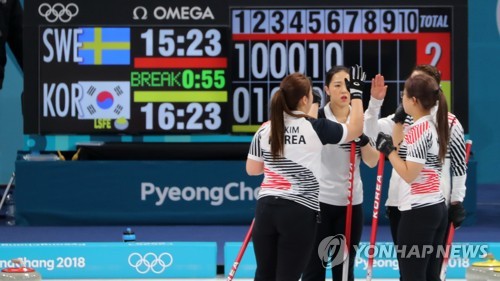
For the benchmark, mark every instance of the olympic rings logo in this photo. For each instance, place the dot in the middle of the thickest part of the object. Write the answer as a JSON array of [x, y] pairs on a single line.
[[150, 262], [58, 12]]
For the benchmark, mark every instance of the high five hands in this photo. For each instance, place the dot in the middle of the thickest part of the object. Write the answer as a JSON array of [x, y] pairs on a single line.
[[378, 89]]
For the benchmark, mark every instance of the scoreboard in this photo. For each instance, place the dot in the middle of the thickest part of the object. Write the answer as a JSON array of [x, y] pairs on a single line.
[[152, 67]]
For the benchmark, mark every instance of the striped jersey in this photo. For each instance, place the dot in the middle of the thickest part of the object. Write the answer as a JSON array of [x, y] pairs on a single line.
[[454, 171], [335, 163], [421, 146], [294, 175]]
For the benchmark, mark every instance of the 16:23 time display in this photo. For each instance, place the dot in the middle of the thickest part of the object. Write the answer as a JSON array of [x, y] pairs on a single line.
[[192, 117]]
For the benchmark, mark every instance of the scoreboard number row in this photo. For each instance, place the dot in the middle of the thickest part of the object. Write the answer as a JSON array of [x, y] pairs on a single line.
[[325, 21]]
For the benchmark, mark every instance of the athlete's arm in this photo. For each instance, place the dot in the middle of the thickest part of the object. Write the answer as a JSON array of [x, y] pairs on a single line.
[[407, 170], [415, 160], [369, 155], [255, 159], [355, 125], [254, 168], [397, 134], [458, 165], [313, 112], [371, 118], [355, 87], [372, 124]]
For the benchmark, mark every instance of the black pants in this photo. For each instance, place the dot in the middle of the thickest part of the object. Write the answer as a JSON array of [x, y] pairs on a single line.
[[394, 215], [283, 237], [418, 229], [333, 223]]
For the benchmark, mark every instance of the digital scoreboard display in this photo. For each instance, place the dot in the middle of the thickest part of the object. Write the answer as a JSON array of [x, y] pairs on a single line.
[[155, 67]]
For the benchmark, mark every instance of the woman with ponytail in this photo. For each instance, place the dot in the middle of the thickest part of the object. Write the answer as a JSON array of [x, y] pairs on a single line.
[[454, 171], [287, 150], [418, 162]]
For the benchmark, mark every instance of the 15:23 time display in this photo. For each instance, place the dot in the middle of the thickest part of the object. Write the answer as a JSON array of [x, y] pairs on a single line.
[[191, 42]]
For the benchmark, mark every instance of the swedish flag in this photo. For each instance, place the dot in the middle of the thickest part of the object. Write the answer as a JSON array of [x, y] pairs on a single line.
[[105, 46]]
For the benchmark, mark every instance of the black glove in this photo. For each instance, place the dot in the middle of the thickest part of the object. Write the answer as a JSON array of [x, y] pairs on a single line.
[[384, 144], [456, 214], [362, 140], [387, 212], [356, 84], [399, 115], [316, 96]]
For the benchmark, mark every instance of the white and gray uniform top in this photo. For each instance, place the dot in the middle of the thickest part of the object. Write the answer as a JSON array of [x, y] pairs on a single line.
[[454, 171], [334, 176], [294, 175]]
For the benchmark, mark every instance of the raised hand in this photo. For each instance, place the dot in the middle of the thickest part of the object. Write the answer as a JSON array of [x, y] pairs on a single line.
[[378, 89], [356, 84]]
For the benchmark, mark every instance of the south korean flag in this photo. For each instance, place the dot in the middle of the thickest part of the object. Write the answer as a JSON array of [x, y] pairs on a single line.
[[105, 100]]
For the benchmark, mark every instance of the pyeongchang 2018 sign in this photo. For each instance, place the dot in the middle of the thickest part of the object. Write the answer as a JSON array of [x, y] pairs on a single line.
[[114, 260]]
